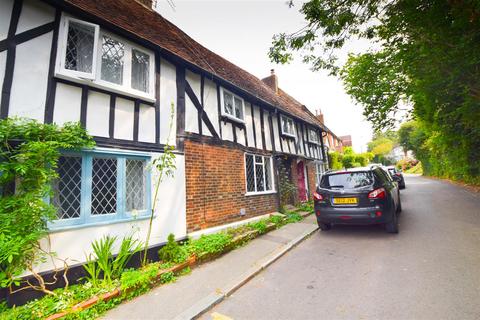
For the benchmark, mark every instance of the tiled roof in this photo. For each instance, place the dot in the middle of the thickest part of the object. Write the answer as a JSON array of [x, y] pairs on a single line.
[[152, 27]]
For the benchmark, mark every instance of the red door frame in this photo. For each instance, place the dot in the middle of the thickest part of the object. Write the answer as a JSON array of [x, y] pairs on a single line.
[[302, 188]]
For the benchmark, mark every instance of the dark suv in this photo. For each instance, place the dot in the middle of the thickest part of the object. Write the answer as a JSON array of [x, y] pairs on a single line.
[[357, 196]]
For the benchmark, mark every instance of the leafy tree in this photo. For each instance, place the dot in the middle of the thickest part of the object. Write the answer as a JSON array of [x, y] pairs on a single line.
[[428, 57]]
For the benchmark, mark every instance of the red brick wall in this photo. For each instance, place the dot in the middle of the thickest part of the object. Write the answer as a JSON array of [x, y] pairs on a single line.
[[215, 180], [311, 178]]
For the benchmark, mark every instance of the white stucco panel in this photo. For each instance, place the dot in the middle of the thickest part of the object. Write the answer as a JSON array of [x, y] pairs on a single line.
[[241, 136], [5, 15], [275, 133], [227, 131], [34, 14], [168, 95], [124, 114], [3, 61], [266, 125], [29, 86], [146, 124], [191, 116], [67, 103], [98, 114], [210, 106], [258, 126], [249, 124]]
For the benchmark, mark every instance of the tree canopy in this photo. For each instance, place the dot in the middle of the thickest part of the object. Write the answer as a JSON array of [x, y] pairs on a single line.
[[427, 56]]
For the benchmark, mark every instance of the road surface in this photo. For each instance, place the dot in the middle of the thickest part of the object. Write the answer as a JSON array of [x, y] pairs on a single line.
[[430, 270]]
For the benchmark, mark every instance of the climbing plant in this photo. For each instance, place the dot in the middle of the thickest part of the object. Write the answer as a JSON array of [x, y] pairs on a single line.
[[29, 153]]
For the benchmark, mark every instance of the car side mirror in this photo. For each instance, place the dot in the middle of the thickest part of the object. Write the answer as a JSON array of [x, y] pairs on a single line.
[[397, 179]]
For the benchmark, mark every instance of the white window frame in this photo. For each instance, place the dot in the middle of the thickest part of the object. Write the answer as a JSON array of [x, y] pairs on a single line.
[[222, 106], [94, 79], [316, 134], [289, 134], [62, 49], [319, 171], [252, 193]]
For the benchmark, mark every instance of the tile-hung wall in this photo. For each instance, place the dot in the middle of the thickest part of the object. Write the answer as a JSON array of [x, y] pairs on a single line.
[[125, 104]]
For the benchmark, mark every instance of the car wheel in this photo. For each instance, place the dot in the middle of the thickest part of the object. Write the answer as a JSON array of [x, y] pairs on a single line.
[[324, 226], [392, 226], [399, 207]]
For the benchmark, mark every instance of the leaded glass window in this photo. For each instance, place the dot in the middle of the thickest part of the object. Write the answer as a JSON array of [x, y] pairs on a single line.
[[258, 171], [135, 185], [112, 60], [232, 106], [140, 70], [313, 136], [104, 186], [288, 126], [80, 46], [67, 187]]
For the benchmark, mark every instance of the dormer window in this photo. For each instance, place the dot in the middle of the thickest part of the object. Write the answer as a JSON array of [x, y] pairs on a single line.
[[88, 54], [313, 136], [233, 107], [288, 126]]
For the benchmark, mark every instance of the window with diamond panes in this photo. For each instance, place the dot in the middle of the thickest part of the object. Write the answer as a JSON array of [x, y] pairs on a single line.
[[104, 186], [140, 70], [232, 106], [135, 185], [258, 170], [67, 187], [80, 47], [112, 60]]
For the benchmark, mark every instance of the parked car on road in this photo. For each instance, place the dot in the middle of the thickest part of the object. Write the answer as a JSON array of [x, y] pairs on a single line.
[[357, 196], [397, 176]]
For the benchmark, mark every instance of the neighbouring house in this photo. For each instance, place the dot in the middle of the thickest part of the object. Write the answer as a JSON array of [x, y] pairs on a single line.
[[118, 67], [346, 140], [331, 141]]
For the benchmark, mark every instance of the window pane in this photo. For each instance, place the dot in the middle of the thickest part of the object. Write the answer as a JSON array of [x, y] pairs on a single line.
[[238, 108], [135, 185], [67, 188], [250, 173], [268, 174], [79, 51], [140, 70], [112, 60], [258, 159], [228, 103], [284, 125], [104, 186], [260, 180]]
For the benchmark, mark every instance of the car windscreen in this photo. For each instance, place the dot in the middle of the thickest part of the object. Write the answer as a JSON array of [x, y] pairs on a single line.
[[347, 180]]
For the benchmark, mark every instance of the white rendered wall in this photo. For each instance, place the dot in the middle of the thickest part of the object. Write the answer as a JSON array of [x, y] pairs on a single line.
[[227, 131], [168, 95], [146, 124], [258, 126], [241, 136], [191, 116], [210, 106], [30, 78], [34, 14], [3, 60], [5, 15], [249, 124], [170, 217], [124, 114], [276, 134], [266, 126], [98, 113], [67, 103]]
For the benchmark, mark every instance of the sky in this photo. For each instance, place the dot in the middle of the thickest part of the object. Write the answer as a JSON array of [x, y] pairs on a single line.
[[241, 32]]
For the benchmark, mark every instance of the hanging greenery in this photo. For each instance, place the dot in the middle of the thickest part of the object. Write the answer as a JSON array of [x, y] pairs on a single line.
[[29, 153]]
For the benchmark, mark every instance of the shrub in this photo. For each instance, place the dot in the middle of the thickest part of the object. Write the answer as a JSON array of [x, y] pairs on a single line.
[[172, 251], [209, 244], [260, 226]]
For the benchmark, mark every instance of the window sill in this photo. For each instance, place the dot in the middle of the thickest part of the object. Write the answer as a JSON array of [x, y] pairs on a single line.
[[289, 135], [102, 85], [232, 118], [61, 228], [248, 194]]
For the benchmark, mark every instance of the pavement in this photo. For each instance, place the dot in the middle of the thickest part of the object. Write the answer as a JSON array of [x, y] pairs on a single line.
[[430, 270], [209, 283]]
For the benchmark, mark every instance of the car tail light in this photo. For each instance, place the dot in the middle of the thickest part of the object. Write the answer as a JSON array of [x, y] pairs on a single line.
[[398, 174], [317, 196], [377, 194]]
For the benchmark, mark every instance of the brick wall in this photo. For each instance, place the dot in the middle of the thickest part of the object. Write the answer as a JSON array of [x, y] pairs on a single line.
[[215, 180], [311, 178]]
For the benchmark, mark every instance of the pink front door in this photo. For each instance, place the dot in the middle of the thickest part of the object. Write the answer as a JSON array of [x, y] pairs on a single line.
[[302, 190]]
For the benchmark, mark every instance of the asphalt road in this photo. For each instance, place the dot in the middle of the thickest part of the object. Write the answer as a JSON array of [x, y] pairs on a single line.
[[430, 270]]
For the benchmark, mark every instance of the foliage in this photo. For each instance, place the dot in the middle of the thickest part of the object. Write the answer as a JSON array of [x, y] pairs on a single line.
[[165, 166], [349, 159], [140, 279], [293, 217], [172, 251], [168, 277], [306, 207], [260, 226], [209, 243], [29, 153], [102, 262], [417, 169], [335, 159], [406, 164], [287, 189], [427, 56]]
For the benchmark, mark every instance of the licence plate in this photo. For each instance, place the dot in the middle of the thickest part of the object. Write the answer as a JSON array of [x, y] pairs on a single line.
[[345, 200]]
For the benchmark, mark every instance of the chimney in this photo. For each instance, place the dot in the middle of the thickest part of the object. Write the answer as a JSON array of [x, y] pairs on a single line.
[[319, 115], [272, 81]]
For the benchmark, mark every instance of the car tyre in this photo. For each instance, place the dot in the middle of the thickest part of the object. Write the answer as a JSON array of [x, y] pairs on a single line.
[[392, 226], [324, 226], [399, 207]]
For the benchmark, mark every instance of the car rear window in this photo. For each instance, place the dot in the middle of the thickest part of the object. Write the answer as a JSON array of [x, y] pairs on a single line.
[[347, 180]]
